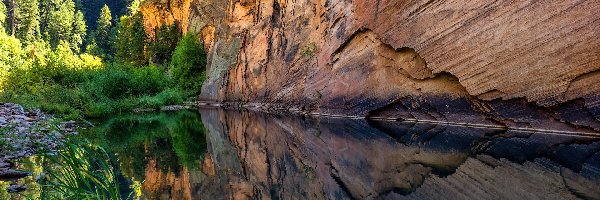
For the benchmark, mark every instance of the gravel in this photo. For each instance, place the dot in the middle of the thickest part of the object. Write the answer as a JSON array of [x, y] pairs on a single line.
[[24, 133]]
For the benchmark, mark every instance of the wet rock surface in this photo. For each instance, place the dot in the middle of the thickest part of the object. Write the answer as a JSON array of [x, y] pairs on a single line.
[[24, 133]]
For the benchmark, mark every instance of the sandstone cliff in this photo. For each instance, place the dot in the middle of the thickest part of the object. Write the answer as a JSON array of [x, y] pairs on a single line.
[[533, 64]]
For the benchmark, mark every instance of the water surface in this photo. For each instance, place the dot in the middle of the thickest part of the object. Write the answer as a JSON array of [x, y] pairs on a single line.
[[220, 154]]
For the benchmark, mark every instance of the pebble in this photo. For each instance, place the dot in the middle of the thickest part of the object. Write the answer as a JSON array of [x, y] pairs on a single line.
[[5, 165], [13, 174], [173, 108], [24, 131], [16, 188]]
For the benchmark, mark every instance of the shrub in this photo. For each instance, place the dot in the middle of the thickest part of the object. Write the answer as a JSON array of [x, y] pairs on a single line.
[[188, 64], [72, 86]]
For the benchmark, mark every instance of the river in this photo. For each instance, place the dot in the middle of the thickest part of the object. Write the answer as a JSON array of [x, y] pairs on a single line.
[[227, 154]]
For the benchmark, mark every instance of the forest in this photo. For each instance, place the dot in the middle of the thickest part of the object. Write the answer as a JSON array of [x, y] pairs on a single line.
[[90, 58]]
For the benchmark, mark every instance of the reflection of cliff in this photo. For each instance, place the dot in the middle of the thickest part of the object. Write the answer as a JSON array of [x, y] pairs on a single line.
[[160, 149], [168, 185], [258, 156], [487, 178]]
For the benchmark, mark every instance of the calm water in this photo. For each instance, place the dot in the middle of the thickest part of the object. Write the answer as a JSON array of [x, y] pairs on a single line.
[[217, 154]]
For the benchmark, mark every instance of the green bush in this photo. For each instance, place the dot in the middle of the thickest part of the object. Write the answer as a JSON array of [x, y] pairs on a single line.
[[74, 86], [188, 64]]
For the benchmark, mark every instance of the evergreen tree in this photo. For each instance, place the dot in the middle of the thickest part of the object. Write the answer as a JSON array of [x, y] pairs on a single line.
[[161, 48], [131, 40], [27, 20], [59, 20], [92, 8], [103, 30], [79, 31], [2, 16]]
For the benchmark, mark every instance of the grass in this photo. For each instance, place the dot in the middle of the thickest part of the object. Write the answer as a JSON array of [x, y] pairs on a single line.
[[80, 170]]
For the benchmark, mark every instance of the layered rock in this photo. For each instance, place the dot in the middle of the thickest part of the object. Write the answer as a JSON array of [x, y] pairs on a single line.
[[509, 63]]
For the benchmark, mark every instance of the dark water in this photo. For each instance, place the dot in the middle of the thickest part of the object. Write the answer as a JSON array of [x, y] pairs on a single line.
[[218, 154]]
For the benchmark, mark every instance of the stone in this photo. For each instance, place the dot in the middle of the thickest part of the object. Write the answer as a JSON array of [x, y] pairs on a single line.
[[16, 188], [172, 108], [26, 133], [13, 174]]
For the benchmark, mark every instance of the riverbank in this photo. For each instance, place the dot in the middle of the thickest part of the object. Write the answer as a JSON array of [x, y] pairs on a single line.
[[25, 133]]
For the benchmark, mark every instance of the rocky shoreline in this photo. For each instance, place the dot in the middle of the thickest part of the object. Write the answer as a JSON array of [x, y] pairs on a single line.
[[25, 133]]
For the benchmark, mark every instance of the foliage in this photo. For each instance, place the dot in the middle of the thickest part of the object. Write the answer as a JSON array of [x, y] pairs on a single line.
[[11, 54], [79, 31], [2, 16], [188, 64], [160, 49], [309, 49], [103, 31], [51, 73], [27, 16], [131, 40], [92, 9], [89, 90], [81, 171]]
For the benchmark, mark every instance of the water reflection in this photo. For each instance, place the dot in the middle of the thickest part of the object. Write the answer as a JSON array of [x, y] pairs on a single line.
[[157, 150], [256, 156], [248, 155]]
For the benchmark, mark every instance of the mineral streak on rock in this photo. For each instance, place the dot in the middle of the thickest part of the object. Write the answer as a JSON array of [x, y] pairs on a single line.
[[511, 63]]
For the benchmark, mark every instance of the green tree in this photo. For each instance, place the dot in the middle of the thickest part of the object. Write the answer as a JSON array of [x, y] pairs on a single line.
[[61, 21], [2, 16], [27, 17], [131, 40], [188, 64], [61, 18], [11, 55], [103, 29], [79, 31], [160, 49], [134, 7]]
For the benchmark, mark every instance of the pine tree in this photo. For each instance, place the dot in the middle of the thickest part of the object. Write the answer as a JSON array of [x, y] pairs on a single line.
[[79, 31], [103, 28], [131, 40], [27, 20], [2, 16], [59, 21]]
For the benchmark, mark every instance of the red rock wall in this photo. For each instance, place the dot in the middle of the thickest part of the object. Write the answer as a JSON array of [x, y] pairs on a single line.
[[516, 63], [159, 12]]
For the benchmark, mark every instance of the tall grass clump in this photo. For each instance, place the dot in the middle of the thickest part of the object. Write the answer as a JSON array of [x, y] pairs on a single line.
[[80, 170]]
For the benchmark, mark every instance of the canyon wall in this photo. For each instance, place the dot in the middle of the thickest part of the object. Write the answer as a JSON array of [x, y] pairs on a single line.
[[532, 64]]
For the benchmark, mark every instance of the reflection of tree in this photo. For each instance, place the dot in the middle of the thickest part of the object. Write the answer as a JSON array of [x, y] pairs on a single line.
[[171, 139]]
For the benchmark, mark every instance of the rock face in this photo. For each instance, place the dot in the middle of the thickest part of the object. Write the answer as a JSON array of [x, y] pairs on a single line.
[[514, 63], [157, 13]]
